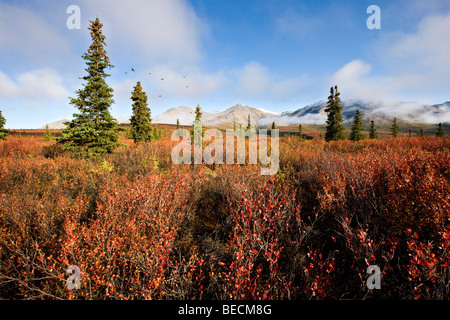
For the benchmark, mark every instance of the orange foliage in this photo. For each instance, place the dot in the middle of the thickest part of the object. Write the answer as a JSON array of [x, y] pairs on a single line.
[[140, 227]]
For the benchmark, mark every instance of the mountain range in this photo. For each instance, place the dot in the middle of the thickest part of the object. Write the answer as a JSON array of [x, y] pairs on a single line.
[[409, 112]]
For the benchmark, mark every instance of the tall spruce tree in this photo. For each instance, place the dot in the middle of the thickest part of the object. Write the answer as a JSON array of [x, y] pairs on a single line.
[[249, 123], [3, 132], [335, 128], [440, 131], [357, 127], [394, 128], [93, 131], [141, 121], [372, 132]]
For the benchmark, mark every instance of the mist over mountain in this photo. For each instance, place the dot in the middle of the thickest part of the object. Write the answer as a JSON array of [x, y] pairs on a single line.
[[411, 112], [381, 112]]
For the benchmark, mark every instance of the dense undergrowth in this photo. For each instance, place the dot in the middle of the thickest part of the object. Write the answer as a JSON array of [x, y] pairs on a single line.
[[140, 227]]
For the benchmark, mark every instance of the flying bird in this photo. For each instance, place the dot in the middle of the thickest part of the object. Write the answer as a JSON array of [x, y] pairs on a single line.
[[132, 69], [162, 78]]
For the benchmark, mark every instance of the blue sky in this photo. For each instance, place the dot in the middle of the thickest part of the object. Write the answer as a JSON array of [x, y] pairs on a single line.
[[277, 55]]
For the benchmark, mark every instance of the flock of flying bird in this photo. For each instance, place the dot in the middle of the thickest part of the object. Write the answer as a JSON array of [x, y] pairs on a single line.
[[162, 79]]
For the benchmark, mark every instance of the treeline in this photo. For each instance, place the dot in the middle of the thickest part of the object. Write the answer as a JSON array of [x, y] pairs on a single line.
[[94, 131]]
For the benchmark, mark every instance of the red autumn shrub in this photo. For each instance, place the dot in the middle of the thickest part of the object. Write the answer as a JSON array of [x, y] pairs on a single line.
[[266, 227], [140, 227]]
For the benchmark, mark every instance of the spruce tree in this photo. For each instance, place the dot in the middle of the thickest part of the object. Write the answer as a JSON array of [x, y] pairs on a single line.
[[47, 134], [372, 132], [198, 113], [300, 132], [335, 128], [198, 119], [357, 127], [440, 131], [421, 133], [178, 124], [249, 124], [3, 132], [141, 121], [93, 131], [394, 128], [273, 125]]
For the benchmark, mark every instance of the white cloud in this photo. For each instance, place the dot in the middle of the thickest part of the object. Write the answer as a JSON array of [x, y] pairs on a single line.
[[419, 60], [415, 65], [7, 86], [356, 82], [37, 84], [428, 47], [252, 79], [255, 80], [151, 30]]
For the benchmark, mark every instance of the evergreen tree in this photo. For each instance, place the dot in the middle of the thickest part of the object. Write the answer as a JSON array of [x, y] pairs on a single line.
[[409, 133], [356, 133], [440, 131], [178, 124], [300, 132], [335, 128], [141, 121], [420, 133], [394, 128], [198, 113], [3, 132], [273, 125], [157, 133], [47, 134], [372, 132], [249, 124], [93, 131], [198, 118]]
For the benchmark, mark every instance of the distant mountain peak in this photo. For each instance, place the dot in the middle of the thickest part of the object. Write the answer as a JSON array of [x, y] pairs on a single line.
[[55, 125], [412, 112]]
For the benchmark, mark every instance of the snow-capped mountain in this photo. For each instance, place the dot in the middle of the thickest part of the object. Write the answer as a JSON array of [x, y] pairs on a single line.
[[238, 113], [55, 125]]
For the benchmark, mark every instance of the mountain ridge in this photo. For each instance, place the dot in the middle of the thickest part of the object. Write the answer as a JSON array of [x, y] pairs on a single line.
[[411, 112]]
